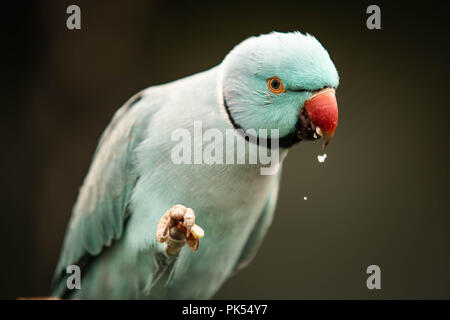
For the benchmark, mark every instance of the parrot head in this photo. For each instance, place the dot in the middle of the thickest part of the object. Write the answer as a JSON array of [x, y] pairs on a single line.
[[283, 81]]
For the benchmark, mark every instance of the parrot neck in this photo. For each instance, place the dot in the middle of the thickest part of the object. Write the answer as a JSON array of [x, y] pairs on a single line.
[[284, 142]]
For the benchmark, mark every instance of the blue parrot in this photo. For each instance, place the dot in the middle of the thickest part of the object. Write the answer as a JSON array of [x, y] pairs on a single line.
[[139, 211]]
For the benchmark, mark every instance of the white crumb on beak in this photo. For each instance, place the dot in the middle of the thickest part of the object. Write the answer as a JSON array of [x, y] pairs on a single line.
[[305, 198], [322, 158], [318, 131]]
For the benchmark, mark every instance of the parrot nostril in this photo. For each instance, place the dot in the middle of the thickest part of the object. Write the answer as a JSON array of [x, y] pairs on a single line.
[[323, 89]]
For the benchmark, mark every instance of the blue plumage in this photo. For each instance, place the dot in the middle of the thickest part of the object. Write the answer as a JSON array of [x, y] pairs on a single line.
[[132, 181]]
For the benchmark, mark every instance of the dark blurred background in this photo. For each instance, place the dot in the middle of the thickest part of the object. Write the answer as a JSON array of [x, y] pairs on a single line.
[[380, 198]]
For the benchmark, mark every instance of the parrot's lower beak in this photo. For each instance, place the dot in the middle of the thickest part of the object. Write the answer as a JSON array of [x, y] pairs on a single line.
[[322, 110]]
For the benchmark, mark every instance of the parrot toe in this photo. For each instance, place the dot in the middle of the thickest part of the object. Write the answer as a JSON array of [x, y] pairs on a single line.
[[176, 228]]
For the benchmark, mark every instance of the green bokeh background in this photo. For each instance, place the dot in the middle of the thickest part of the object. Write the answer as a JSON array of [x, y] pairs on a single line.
[[380, 198]]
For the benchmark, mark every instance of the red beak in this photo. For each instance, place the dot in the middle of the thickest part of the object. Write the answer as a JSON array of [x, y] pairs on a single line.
[[323, 112]]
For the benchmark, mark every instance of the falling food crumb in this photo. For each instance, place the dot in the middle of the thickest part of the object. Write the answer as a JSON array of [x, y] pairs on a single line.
[[322, 158], [305, 198]]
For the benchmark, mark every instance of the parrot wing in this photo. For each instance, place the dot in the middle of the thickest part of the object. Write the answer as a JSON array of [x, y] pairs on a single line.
[[259, 231], [102, 204]]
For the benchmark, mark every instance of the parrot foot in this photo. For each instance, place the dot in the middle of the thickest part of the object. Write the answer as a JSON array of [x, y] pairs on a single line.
[[176, 228]]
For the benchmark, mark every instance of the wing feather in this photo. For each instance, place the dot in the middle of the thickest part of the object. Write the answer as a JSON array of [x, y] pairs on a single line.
[[102, 205]]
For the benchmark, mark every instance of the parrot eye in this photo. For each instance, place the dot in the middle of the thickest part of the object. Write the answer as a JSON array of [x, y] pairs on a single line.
[[275, 85]]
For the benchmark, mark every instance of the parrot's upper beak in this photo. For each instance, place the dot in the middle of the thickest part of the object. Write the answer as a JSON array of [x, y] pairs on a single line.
[[323, 112]]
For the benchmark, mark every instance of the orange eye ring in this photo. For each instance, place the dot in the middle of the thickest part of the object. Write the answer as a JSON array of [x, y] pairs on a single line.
[[275, 85]]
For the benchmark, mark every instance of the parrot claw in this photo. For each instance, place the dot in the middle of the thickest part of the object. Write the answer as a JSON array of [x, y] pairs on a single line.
[[176, 228]]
